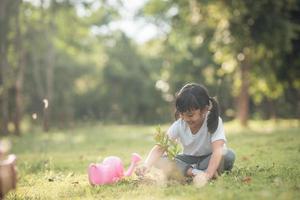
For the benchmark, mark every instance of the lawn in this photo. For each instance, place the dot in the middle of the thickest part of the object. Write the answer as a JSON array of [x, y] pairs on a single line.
[[54, 165]]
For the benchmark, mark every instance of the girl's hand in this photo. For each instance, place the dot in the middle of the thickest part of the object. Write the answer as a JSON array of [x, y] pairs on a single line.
[[141, 170], [201, 179]]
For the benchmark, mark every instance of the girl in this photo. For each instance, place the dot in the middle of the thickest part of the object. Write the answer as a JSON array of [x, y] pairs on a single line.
[[200, 131]]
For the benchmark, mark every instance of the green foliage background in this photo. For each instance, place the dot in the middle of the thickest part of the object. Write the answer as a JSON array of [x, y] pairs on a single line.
[[88, 71]]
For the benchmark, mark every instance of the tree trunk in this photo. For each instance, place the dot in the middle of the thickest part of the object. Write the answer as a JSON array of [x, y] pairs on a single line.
[[19, 76], [49, 85], [243, 97], [50, 59], [271, 109], [4, 65]]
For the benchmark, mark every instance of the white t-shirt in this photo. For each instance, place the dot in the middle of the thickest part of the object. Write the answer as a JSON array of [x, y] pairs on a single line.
[[198, 144]]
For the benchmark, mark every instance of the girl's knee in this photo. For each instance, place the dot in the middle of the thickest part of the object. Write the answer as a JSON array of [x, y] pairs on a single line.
[[229, 158]]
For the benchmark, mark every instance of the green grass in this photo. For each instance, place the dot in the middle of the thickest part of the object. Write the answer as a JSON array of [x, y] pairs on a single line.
[[54, 165]]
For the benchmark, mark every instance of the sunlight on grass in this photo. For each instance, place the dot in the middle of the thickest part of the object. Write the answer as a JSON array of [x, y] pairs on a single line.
[[54, 165], [262, 126]]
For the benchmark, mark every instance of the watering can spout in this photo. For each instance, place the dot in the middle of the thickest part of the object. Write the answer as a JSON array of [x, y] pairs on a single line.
[[134, 161]]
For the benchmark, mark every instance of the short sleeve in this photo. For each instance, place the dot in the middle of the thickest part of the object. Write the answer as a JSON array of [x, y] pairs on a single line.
[[173, 131], [219, 134]]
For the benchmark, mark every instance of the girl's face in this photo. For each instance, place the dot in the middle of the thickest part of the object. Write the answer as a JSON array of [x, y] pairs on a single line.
[[194, 118]]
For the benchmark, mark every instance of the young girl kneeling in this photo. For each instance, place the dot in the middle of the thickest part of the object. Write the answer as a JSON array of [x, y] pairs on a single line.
[[200, 131]]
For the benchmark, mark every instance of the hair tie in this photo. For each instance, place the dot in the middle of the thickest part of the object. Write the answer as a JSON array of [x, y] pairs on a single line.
[[210, 105]]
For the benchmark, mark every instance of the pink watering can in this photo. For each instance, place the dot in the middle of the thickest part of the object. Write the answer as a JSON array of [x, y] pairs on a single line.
[[110, 170]]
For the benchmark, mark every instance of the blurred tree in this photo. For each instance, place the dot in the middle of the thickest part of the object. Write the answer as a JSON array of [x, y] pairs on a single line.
[[11, 65], [289, 72], [209, 41], [66, 52], [127, 92], [189, 31], [19, 71], [248, 29], [5, 27]]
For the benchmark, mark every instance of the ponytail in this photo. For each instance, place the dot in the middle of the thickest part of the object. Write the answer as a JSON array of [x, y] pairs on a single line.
[[213, 116]]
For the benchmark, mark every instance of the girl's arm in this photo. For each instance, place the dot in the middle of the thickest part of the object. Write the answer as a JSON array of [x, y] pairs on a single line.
[[215, 158], [155, 153]]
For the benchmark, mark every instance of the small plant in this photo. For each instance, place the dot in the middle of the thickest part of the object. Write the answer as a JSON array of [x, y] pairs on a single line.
[[162, 139]]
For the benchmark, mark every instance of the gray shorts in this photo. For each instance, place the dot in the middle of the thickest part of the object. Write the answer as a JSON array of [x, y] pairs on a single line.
[[183, 162]]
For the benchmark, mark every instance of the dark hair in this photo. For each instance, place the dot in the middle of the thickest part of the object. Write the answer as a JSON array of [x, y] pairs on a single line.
[[194, 96]]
